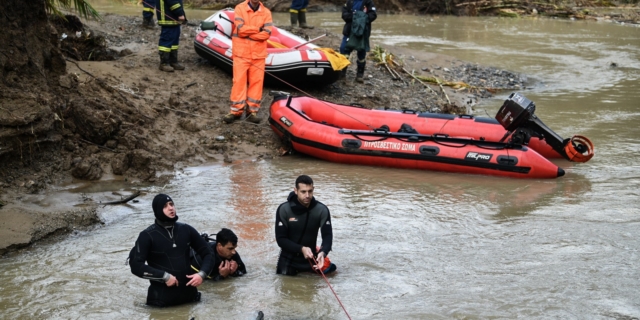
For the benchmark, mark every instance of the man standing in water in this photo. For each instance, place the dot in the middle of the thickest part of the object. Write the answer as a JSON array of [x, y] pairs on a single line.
[[297, 223], [165, 247]]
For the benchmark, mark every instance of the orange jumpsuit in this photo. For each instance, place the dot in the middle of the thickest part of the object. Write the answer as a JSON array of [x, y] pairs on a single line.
[[250, 33]]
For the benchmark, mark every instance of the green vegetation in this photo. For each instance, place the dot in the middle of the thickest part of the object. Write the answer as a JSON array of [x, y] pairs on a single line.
[[83, 8]]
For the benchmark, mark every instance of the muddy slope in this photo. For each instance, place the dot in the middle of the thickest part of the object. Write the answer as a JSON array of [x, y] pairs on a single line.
[[85, 101]]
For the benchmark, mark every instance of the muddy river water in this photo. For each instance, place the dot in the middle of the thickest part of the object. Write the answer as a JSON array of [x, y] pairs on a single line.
[[408, 244]]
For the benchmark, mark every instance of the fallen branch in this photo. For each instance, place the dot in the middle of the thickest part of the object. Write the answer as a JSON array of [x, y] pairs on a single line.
[[442, 88], [391, 72], [125, 200], [420, 81], [382, 57]]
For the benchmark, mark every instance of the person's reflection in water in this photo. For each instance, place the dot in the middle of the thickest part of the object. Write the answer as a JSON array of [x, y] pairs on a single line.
[[248, 203]]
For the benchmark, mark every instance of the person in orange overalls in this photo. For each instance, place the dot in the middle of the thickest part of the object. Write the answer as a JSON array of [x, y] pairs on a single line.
[[251, 30]]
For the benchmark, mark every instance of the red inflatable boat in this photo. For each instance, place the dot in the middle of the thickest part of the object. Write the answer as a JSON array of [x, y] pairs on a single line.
[[441, 142], [291, 60]]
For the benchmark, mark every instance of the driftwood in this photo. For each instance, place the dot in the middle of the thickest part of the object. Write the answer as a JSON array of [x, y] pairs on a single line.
[[125, 200], [420, 81], [442, 88]]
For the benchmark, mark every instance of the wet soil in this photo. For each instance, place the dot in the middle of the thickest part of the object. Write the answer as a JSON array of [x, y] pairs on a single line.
[[89, 103]]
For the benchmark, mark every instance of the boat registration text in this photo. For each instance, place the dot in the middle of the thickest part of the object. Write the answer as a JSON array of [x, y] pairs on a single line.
[[399, 146]]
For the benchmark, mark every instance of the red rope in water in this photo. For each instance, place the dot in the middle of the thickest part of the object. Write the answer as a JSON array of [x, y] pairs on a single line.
[[329, 284]]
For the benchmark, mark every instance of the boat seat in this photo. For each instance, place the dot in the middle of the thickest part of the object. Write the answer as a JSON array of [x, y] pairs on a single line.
[[208, 25], [405, 128]]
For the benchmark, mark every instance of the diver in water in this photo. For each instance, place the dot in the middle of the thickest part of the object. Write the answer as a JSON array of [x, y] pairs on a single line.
[[297, 224], [226, 260], [161, 255]]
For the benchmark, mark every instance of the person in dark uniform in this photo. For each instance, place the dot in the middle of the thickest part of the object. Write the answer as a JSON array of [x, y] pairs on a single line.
[[297, 223], [161, 255], [148, 11], [226, 260], [170, 14], [298, 12], [351, 9]]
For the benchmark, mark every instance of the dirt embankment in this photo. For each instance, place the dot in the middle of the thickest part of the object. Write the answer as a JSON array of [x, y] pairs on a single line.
[[87, 101]]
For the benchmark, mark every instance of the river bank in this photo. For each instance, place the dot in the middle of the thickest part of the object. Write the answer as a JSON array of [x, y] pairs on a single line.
[[120, 118], [620, 12]]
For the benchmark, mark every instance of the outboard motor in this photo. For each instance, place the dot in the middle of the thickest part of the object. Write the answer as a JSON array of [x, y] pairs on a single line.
[[517, 116]]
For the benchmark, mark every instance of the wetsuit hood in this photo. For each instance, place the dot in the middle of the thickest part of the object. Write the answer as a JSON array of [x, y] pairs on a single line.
[[297, 207], [158, 205]]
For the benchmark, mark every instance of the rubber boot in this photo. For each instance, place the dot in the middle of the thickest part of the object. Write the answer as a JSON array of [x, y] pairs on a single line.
[[302, 17], [343, 74], [173, 60], [229, 118], [147, 23], [360, 71], [294, 19], [253, 117], [165, 62]]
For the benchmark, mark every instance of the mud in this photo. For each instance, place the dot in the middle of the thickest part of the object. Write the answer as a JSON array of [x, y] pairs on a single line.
[[94, 106]]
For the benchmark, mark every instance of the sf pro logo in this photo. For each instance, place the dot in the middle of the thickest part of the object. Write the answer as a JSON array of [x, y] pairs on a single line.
[[475, 156]]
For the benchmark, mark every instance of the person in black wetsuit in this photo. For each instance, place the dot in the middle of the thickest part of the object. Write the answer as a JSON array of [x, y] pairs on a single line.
[[226, 260], [297, 223], [161, 255]]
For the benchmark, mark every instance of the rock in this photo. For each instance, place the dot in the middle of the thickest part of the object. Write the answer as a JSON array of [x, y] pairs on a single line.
[[131, 140], [67, 81], [120, 163], [140, 159], [220, 138], [189, 125], [125, 52], [69, 145], [174, 100], [93, 120], [87, 169], [111, 144]]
